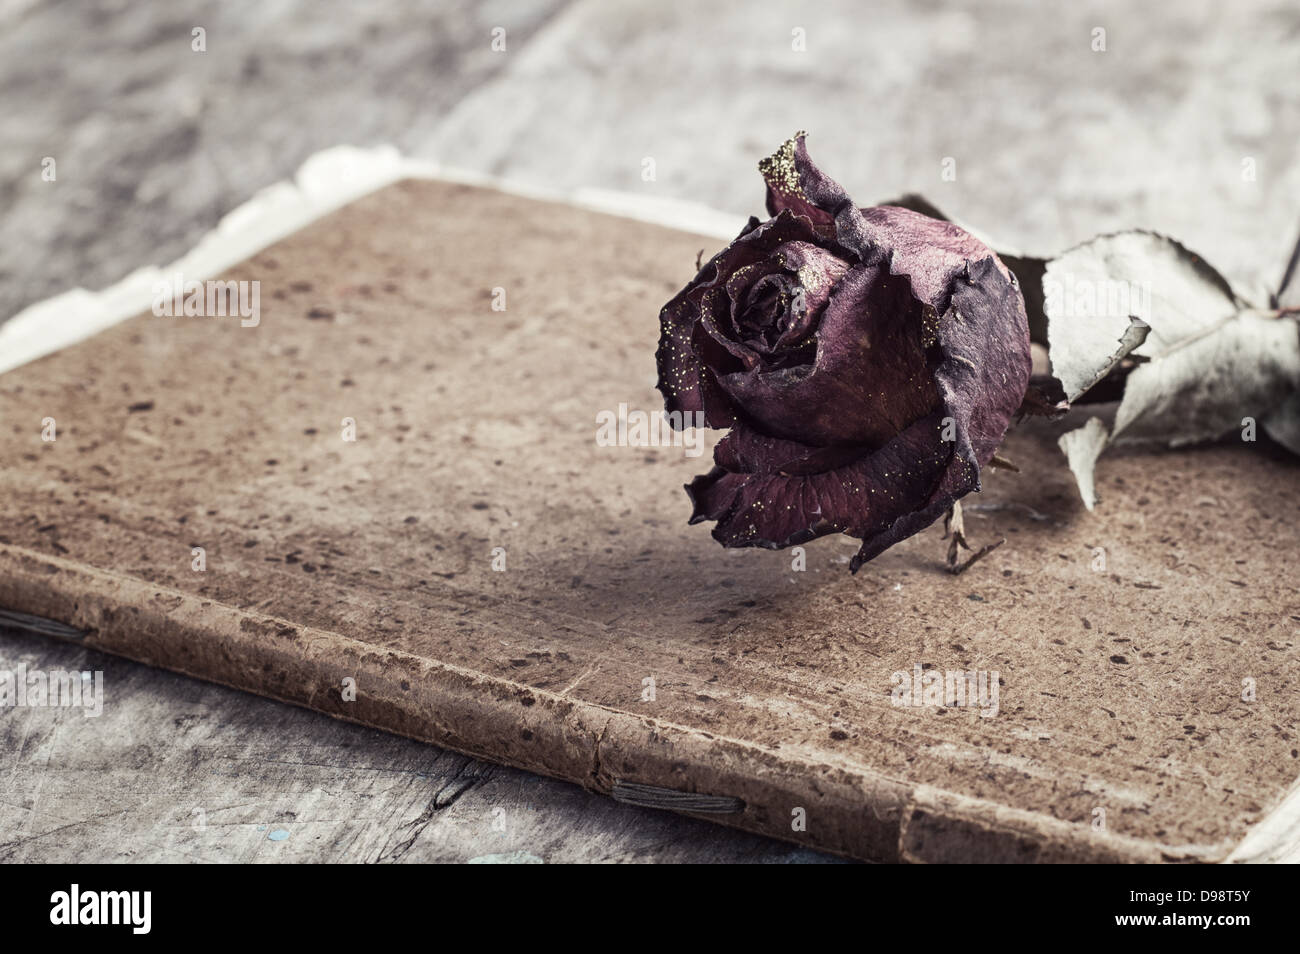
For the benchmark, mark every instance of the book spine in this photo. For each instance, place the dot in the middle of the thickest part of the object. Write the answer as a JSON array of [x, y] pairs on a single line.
[[840, 809]]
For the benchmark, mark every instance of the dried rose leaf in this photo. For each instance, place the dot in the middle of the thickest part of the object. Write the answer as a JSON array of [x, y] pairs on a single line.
[[1095, 293], [1082, 446], [1202, 387], [1203, 360]]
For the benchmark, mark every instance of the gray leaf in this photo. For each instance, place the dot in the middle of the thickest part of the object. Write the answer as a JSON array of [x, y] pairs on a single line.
[[1202, 387], [1082, 447], [1093, 293]]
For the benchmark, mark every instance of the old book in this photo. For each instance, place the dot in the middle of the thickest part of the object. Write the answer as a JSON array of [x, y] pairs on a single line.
[[387, 500]]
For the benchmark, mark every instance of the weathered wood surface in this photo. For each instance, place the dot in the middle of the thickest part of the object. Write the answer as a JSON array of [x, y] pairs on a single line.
[[1053, 141], [179, 770], [154, 141]]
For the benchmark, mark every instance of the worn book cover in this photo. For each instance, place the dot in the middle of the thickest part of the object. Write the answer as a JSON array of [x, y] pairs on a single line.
[[427, 490]]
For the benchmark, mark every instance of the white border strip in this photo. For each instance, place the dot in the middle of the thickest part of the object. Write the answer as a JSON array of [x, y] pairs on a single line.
[[327, 181], [1276, 839]]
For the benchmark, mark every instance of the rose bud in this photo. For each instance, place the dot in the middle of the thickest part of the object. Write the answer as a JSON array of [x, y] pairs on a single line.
[[867, 361]]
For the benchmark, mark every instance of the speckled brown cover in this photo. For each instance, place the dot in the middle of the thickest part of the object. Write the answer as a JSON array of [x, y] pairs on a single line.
[[1121, 688]]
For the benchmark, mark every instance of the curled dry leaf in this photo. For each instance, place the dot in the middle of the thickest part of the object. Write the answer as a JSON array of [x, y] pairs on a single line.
[[1207, 384], [1203, 361]]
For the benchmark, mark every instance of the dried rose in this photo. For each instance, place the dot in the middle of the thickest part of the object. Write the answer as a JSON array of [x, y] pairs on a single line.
[[867, 361]]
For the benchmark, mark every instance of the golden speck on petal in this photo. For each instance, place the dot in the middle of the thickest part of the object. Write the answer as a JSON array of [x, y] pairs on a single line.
[[779, 170]]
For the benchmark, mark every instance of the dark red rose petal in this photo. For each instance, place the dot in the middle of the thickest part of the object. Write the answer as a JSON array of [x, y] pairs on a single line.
[[817, 272], [870, 379], [929, 251], [745, 450], [794, 183], [840, 401], [984, 336], [683, 379], [864, 498], [775, 494]]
